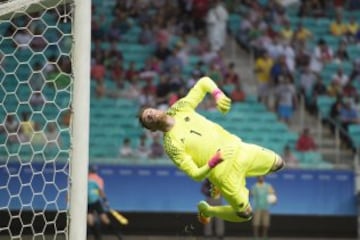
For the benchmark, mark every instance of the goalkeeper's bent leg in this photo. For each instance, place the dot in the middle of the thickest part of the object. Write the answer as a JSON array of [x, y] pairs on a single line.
[[226, 212]]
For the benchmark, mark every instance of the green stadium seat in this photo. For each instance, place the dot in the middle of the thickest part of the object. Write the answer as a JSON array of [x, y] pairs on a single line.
[[354, 132], [324, 104]]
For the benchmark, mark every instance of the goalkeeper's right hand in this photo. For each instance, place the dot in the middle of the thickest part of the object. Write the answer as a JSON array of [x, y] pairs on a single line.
[[223, 103], [215, 160]]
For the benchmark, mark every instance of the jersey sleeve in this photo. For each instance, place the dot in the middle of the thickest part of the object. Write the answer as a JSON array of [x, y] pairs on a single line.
[[176, 151], [199, 90]]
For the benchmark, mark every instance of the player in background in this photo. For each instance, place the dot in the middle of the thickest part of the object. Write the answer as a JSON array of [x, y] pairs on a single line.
[[97, 204], [203, 149], [216, 227], [260, 192]]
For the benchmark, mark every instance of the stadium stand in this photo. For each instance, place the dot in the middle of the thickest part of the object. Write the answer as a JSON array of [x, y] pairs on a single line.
[[118, 123], [132, 39]]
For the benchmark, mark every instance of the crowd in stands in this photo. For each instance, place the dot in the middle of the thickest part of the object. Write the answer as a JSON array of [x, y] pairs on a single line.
[[290, 56], [153, 51], [293, 53]]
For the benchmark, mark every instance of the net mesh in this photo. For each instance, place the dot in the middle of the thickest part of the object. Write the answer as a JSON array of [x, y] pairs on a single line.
[[35, 112]]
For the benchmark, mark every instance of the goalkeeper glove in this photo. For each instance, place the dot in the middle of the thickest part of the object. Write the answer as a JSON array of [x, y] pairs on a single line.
[[215, 160], [223, 103]]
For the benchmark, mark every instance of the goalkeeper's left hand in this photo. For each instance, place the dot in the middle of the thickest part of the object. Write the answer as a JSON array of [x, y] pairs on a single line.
[[223, 103]]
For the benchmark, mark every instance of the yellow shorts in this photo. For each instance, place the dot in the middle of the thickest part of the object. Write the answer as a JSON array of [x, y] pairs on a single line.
[[251, 160]]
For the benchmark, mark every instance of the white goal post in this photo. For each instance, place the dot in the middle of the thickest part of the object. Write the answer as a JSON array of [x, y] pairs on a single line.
[[35, 75]]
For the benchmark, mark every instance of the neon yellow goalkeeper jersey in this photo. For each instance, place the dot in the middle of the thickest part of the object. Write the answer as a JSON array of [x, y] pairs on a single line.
[[193, 140]]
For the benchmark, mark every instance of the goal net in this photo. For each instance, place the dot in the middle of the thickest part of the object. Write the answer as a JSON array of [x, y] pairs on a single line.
[[44, 58]]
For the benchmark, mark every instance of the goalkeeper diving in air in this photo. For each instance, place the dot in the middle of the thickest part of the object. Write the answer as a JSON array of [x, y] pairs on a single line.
[[203, 149]]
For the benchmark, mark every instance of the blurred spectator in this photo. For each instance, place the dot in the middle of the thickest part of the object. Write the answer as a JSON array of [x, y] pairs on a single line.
[[338, 27], [263, 67], [131, 73], [22, 38], [352, 28], [176, 79], [199, 9], [307, 82], [305, 141], [11, 129], [238, 94], [312, 8], [142, 149], [37, 79], [340, 78], [302, 55], [147, 36], [334, 89], [113, 53], [286, 32], [156, 148], [162, 51], [214, 73], [117, 72], [349, 90], [348, 115], [231, 77], [38, 43], [301, 33], [322, 55], [172, 61], [280, 69], [155, 64], [286, 99], [37, 136], [289, 157], [341, 53], [355, 73], [100, 89], [98, 70], [182, 53], [163, 89], [27, 126], [318, 89], [52, 133], [275, 48], [289, 53], [335, 109], [147, 98], [66, 116], [126, 149], [148, 73], [216, 20], [261, 219], [356, 104], [199, 69], [113, 33], [98, 28], [122, 22]]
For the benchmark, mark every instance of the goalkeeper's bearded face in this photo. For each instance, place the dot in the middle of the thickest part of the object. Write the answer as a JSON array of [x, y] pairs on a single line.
[[153, 119]]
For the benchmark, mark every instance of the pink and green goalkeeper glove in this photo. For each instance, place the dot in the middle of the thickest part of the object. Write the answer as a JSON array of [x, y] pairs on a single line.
[[215, 160], [223, 103]]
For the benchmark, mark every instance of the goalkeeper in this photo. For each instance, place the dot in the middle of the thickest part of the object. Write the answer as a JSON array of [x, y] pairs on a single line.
[[203, 149]]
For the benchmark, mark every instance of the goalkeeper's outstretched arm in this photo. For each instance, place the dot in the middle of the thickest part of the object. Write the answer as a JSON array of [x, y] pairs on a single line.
[[203, 86]]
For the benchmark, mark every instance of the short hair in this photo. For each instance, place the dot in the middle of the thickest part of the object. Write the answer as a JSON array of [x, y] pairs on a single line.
[[141, 111]]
